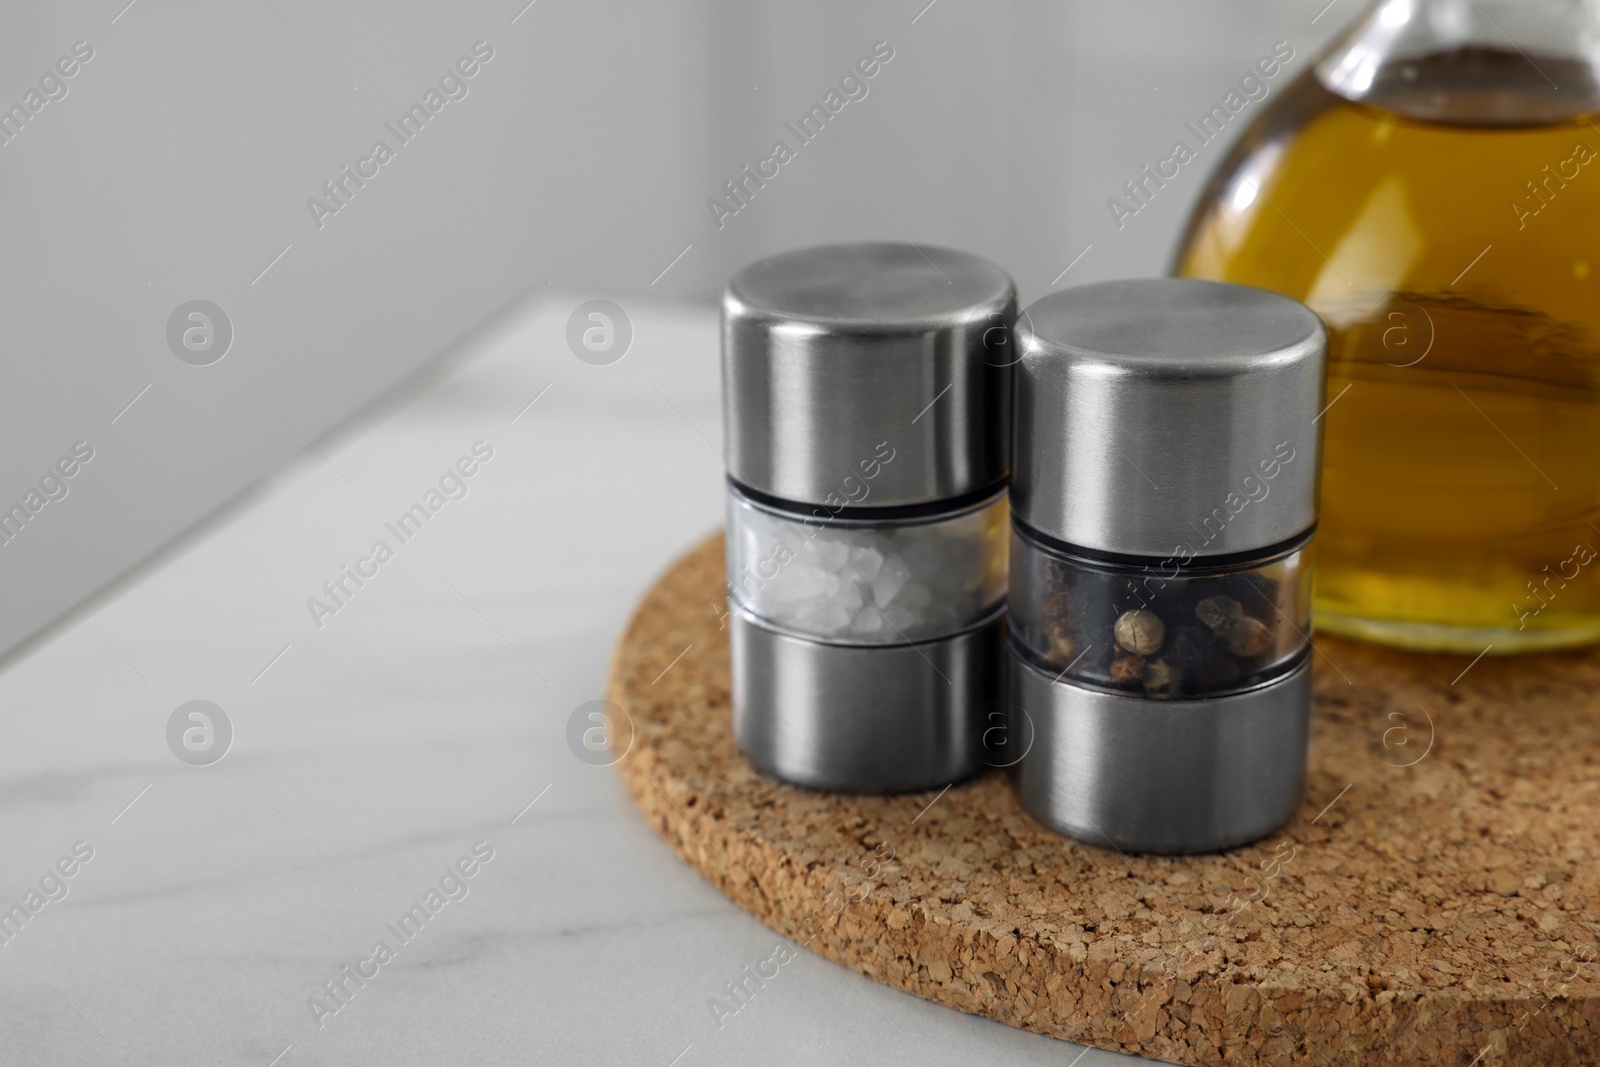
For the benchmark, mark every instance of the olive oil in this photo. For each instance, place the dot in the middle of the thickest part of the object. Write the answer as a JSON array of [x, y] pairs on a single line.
[[1449, 235]]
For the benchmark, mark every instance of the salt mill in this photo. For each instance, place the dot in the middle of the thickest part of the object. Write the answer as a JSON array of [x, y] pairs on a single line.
[[865, 392]]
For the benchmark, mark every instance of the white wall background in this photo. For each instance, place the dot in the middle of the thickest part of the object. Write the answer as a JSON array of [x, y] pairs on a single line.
[[179, 164]]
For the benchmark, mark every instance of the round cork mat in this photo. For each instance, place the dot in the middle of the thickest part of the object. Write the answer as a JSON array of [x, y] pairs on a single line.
[[1430, 904]]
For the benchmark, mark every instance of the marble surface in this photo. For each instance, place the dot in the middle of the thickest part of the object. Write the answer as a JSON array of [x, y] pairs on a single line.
[[374, 746]]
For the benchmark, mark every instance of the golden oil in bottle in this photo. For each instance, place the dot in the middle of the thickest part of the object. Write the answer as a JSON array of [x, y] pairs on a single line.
[[1449, 235]]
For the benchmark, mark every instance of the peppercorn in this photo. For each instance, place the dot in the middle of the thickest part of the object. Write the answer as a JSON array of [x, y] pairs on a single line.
[[1192, 645], [1220, 613], [1251, 637], [1140, 631], [1159, 678], [1127, 669]]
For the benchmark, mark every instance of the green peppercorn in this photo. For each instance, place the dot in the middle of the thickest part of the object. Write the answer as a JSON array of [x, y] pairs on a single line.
[[1220, 613]]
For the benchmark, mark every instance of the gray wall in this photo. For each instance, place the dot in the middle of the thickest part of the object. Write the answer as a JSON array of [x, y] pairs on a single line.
[[180, 160]]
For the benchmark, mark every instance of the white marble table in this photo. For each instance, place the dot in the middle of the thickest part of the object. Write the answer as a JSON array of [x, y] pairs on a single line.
[[372, 752]]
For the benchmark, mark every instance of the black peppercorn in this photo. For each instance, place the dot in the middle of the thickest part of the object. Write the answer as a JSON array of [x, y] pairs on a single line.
[[1191, 645]]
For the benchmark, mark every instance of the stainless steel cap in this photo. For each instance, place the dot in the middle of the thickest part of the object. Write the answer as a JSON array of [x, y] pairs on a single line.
[[1168, 412], [830, 352]]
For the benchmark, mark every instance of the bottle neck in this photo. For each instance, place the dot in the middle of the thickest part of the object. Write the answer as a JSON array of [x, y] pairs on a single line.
[[1472, 62]]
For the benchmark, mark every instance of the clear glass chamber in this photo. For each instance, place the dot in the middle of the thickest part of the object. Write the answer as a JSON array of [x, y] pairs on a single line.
[[1432, 189], [846, 579], [1160, 631]]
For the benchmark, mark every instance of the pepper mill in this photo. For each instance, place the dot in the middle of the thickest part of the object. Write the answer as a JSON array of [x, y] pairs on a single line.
[[1166, 453]]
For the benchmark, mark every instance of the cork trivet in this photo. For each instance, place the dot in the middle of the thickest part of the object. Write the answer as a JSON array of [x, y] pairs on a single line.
[[1430, 904]]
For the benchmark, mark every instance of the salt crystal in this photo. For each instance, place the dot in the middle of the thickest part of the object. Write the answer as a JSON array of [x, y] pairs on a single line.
[[891, 578], [849, 598], [830, 553], [830, 619], [901, 619], [914, 596], [863, 564], [868, 621], [798, 581]]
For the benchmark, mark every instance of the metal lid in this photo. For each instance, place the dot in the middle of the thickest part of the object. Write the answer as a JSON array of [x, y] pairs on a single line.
[[836, 356], [1163, 414]]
